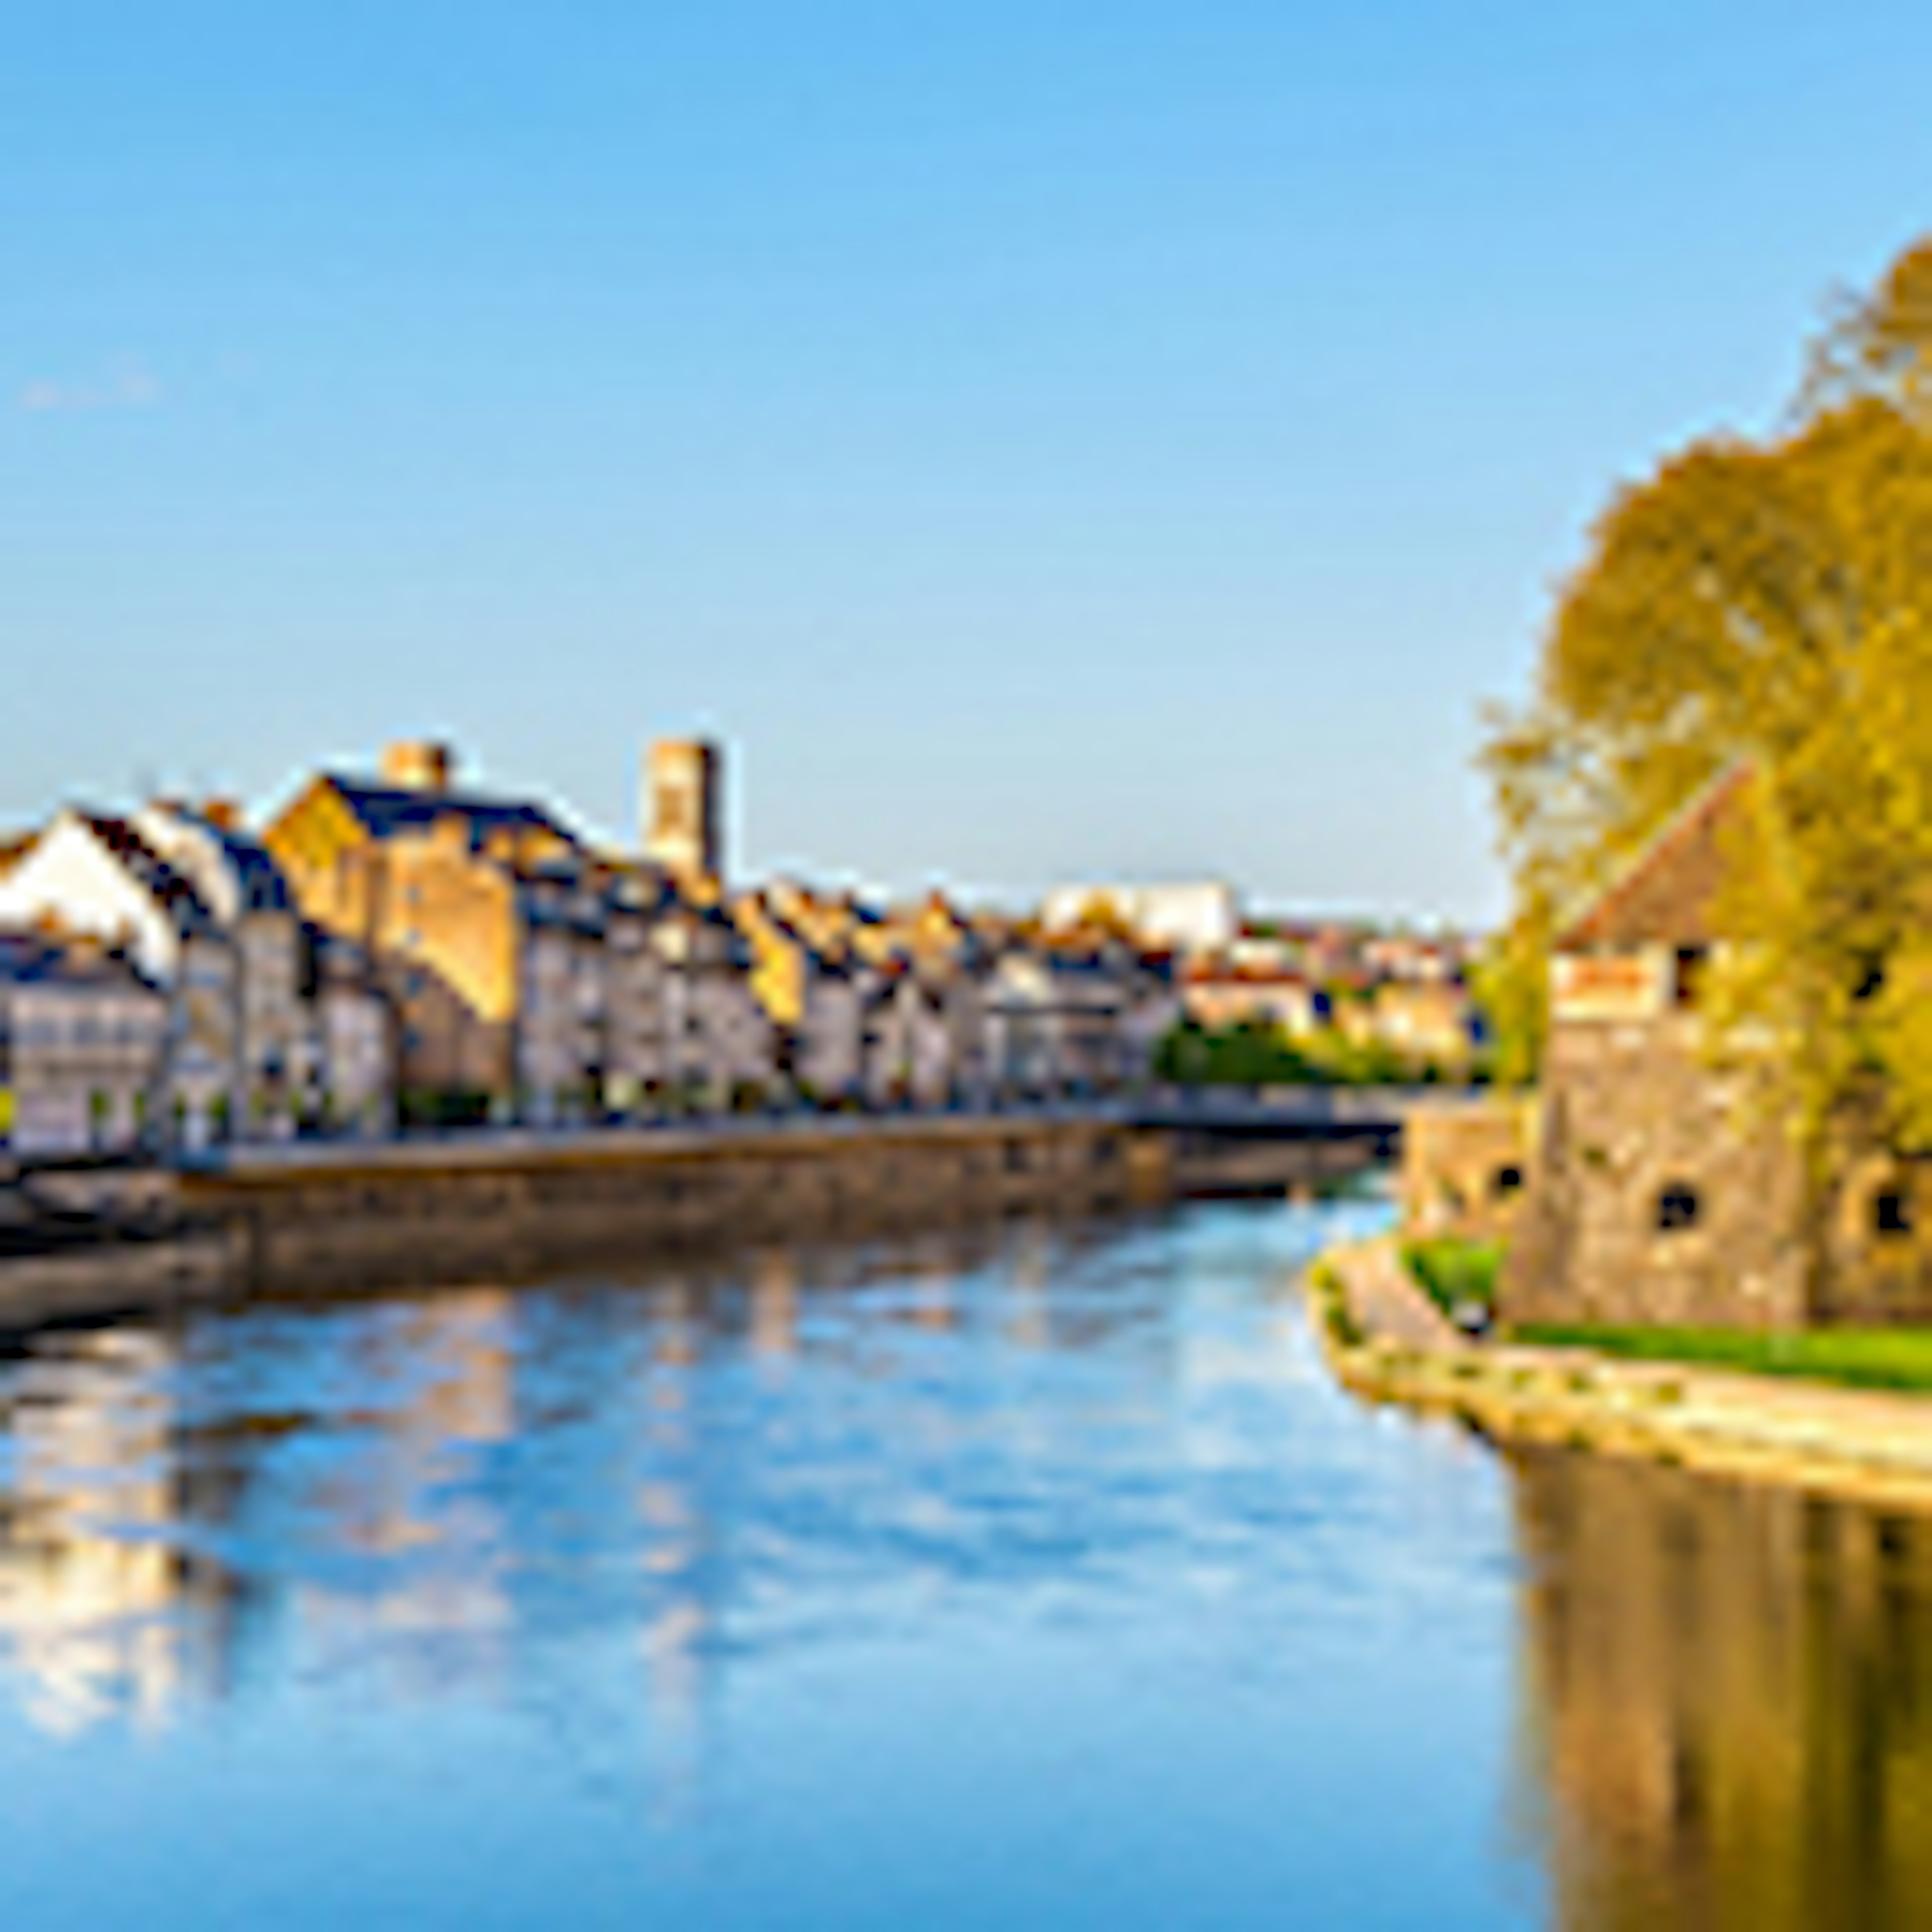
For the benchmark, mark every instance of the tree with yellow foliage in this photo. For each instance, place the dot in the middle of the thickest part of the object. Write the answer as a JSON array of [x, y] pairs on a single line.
[[1767, 604]]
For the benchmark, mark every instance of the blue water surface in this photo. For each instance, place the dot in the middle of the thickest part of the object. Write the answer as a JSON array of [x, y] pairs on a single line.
[[1036, 1578]]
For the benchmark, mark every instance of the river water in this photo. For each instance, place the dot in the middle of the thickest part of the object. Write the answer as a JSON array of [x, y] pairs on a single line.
[[1039, 1578]]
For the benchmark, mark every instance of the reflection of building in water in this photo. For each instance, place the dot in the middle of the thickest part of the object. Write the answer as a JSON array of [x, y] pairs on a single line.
[[443, 1369], [1732, 1692], [101, 1612], [775, 1303]]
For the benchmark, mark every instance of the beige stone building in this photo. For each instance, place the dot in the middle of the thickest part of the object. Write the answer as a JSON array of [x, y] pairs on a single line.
[[426, 878], [1666, 1187], [683, 815]]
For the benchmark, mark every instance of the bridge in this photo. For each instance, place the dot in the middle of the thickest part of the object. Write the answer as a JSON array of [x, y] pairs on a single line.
[[1290, 1113], [1263, 1140]]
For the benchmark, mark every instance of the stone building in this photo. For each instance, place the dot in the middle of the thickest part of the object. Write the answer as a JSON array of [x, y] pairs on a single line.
[[1667, 1188], [1074, 1019], [1219, 991], [532, 977], [355, 1065], [82, 1037], [426, 879], [1466, 1166], [92, 875], [684, 824], [636, 972], [908, 1047], [812, 989], [277, 1045]]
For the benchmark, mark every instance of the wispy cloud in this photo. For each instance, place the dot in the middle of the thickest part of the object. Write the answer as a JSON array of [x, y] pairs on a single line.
[[126, 385]]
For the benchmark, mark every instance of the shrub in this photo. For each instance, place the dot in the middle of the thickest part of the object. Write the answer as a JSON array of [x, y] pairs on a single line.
[[1452, 1271]]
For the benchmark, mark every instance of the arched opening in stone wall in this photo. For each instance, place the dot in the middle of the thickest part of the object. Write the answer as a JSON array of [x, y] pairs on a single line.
[[1506, 1181], [1678, 1208], [1891, 1212]]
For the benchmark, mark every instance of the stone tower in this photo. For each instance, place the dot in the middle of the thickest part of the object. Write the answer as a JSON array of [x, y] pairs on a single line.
[[683, 833]]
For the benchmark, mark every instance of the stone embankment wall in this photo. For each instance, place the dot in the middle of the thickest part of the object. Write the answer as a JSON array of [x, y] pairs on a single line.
[[339, 1219], [1874, 1447], [91, 1281], [345, 1218]]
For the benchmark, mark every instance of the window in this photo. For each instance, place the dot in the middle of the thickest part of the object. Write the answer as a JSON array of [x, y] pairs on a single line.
[[1891, 1212], [1677, 1208], [1508, 1180], [1688, 976]]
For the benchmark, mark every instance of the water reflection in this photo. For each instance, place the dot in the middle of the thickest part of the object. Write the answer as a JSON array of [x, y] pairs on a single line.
[[1039, 1576], [1728, 1691], [92, 1573], [411, 1488]]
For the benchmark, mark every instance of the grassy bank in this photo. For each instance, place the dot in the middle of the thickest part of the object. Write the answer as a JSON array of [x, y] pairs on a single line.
[[1452, 1272], [1894, 1359]]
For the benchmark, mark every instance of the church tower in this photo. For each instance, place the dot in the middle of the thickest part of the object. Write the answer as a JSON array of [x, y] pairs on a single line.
[[683, 833]]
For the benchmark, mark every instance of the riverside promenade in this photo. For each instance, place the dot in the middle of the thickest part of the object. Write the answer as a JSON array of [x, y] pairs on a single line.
[[340, 1217], [1386, 1341]]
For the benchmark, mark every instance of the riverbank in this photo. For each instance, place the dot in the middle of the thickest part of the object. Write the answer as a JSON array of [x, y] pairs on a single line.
[[1388, 1342], [308, 1218]]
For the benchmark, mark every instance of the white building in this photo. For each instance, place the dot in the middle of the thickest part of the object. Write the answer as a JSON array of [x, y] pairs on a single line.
[[1202, 916], [90, 874]]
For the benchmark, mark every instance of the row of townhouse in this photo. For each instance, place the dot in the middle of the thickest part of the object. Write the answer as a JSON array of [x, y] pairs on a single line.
[[402, 949], [251, 1023]]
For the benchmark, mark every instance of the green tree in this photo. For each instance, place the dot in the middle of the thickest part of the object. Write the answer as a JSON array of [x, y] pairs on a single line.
[[1766, 604]]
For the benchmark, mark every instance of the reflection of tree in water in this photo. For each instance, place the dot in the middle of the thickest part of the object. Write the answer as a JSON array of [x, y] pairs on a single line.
[[1730, 1695]]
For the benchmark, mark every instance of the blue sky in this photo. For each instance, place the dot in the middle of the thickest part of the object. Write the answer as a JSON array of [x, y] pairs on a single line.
[[1042, 441]]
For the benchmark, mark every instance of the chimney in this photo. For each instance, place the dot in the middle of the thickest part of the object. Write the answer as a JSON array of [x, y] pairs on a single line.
[[224, 813], [418, 764]]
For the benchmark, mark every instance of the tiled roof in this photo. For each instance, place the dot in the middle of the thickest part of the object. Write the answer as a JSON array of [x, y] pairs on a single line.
[[386, 810], [264, 886], [1666, 893]]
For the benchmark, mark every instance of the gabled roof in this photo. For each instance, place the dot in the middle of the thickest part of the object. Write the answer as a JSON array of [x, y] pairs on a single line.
[[1666, 893], [170, 888]]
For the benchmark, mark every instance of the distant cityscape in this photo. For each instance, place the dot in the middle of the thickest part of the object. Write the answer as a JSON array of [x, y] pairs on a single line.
[[393, 951]]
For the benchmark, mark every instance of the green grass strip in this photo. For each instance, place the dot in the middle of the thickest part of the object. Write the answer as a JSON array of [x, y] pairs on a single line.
[[1892, 1359]]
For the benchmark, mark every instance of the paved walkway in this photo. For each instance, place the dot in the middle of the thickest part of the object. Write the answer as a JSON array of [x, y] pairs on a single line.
[[1386, 1302], [1851, 1442]]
